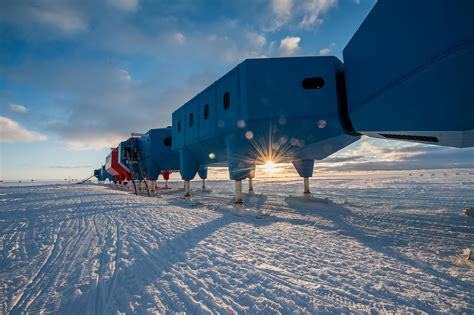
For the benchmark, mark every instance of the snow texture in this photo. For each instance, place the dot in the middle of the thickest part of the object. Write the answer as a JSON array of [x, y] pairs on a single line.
[[363, 244]]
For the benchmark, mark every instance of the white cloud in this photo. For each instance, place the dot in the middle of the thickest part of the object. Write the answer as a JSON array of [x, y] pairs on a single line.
[[377, 154], [179, 38], [381, 149], [313, 11], [123, 75], [304, 13], [125, 5], [105, 103], [11, 132], [328, 50], [63, 18], [282, 11], [384, 150], [282, 7], [95, 142], [256, 40], [17, 108], [70, 166], [290, 45]]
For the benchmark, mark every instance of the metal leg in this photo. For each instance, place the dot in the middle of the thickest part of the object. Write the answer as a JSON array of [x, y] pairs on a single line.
[[250, 184], [135, 188], [306, 186], [238, 192], [203, 183], [152, 185], [147, 187], [187, 188]]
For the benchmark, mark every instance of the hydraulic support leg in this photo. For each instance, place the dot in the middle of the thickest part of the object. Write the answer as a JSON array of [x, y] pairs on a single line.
[[239, 168], [306, 186], [187, 188], [238, 192], [203, 174], [152, 186], [189, 168], [250, 184], [305, 170]]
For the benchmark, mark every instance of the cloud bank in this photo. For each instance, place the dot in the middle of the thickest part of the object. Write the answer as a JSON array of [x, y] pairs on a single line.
[[103, 69], [12, 132], [375, 154]]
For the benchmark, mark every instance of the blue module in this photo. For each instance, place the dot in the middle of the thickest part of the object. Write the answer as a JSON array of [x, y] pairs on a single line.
[[101, 174], [97, 174], [276, 109], [104, 175], [409, 72], [155, 152]]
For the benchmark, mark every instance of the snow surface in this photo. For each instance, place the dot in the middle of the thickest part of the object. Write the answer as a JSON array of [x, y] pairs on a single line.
[[378, 243]]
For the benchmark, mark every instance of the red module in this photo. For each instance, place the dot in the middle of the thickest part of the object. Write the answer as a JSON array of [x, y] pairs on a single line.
[[113, 167]]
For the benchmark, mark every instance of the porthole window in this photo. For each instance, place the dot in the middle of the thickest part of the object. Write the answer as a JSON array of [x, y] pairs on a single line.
[[179, 125], [315, 83], [191, 120], [206, 111], [167, 141], [226, 100]]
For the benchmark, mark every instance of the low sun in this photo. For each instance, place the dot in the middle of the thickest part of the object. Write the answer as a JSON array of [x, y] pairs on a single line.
[[269, 167]]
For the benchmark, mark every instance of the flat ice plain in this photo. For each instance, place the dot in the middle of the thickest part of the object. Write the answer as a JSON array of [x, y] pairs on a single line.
[[377, 244]]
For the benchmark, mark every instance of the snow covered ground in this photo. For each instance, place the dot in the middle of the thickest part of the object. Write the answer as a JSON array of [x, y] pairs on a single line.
[[378, 243]]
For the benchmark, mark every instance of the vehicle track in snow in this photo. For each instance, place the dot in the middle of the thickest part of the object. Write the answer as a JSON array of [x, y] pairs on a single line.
[[89, 249]]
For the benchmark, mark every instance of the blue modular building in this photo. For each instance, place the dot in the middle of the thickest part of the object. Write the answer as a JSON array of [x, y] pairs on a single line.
[[105, 175], [409, 72], [97, 174], [155, 153], [407, 76], [101, 174], [146, 156], [276, 109]]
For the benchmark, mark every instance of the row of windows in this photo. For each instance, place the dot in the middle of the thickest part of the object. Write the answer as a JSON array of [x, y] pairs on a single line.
[[166, 141], [226, 102], [314, 83]]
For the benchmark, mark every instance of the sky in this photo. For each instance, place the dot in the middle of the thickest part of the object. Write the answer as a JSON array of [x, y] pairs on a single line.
[[77, 77]]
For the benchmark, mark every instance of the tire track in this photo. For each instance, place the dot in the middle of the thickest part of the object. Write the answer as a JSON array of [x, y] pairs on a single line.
[[113, 281], [21, 302]]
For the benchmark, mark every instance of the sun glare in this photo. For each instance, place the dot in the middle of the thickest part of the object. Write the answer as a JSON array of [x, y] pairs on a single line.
[[269, 167]]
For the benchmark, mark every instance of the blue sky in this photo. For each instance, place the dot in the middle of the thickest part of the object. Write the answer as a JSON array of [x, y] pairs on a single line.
[[76, 77]]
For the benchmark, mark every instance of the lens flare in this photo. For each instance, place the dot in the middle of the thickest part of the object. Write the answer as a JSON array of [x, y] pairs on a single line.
[[269, 167]]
